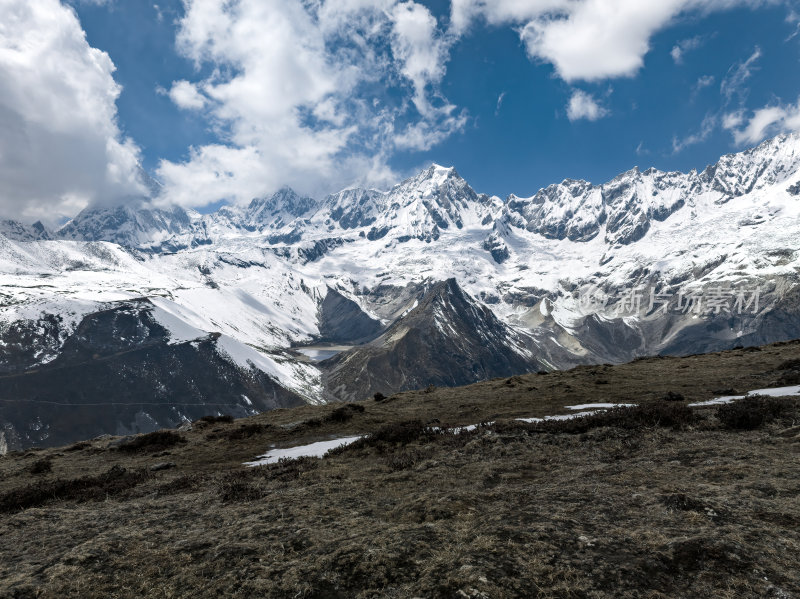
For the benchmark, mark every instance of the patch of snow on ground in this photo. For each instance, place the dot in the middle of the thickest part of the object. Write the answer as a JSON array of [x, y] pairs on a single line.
[[560, 417], [312, 450], [717, 401], [772, 392], [777, 391], [587, 406]]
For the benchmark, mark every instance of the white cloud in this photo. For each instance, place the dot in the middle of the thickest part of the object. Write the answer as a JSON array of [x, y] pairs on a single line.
[[793, 18], [682, 47], [586, 39], [583, 106], [60, 147], [310, 94], [499, 12], [599, 39], [419, 50], [762, 123], [733, 120], [186, 95]]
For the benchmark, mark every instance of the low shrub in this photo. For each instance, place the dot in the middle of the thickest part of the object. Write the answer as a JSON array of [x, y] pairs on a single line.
[[790, 370], [379, 396], [682, 502], [41, 466], [673, 415], [673, 396], [287, 469], [242, 485], [243, 431], [78, 446], [399, 432], [180, 485], [238, 487], [793, 364], [752, 412], [225, 418], [344, 413], [156, 441], [404, 460], [111, 483]]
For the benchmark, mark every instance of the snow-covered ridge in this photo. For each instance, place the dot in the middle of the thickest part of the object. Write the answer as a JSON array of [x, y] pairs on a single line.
[[622, 210]]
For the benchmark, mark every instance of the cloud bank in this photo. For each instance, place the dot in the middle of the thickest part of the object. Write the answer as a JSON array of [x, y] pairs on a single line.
[[316, 94], [61, 147]]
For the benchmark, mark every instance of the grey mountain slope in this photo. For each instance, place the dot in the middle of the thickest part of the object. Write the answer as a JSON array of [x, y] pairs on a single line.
[[341, 320], [119, 373], [448, 339]]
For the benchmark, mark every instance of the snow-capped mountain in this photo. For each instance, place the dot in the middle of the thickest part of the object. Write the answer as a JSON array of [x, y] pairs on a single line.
[[141, 227], [578, 272], [17, 231]]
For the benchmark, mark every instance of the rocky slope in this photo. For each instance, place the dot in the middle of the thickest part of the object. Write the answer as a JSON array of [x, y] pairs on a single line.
[[449, 339], [123, 372]]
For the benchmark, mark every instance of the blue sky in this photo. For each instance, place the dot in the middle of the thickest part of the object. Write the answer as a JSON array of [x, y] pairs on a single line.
[[223, 101]]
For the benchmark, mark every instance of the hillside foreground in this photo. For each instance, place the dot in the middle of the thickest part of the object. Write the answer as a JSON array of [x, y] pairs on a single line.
[[661, 500]]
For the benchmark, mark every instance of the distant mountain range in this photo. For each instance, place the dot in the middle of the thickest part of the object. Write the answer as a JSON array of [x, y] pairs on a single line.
[[136, 317]]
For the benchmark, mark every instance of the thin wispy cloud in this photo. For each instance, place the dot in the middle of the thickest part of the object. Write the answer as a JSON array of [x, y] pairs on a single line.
[[734, 83], [680, 49], [707, 127], [500, 99]]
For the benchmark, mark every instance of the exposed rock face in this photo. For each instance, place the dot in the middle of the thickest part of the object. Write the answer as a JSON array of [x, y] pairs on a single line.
[[571, 210], [341, 320], [497, 248], [18, 231], [448, 339]]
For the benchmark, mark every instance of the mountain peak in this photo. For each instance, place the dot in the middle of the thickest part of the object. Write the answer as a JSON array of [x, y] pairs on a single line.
[[448, 339], [282, 206]]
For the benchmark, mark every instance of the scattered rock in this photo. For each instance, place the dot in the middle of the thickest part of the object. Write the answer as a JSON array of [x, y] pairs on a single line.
[[118, 442], [162, 466]]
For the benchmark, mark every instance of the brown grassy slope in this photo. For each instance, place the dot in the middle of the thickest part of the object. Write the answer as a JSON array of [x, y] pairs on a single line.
[[616, 506]]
